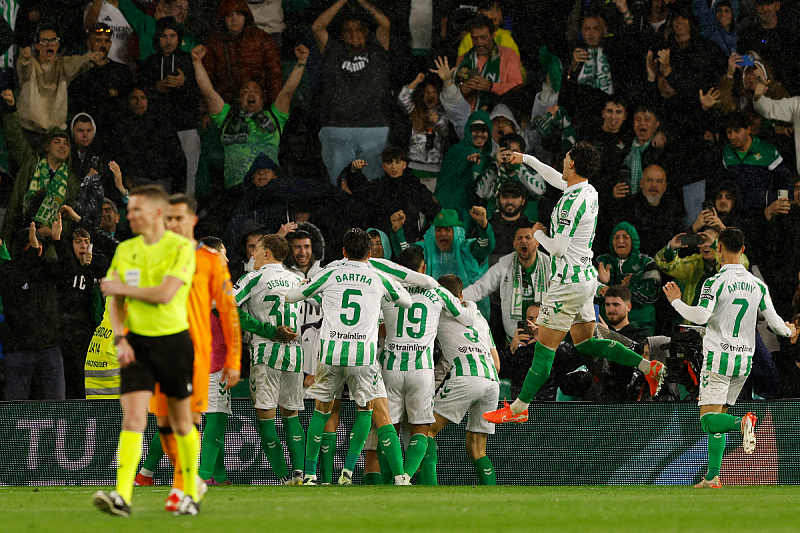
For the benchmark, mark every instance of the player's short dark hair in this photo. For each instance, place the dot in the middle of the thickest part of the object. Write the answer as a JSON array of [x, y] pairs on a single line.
[[81, 233], [479, 22], [619, 291], [737, 121], [151, 192], [300, 234], [390, 153], [277, 245], [412, 257], [213, 242], [732, 239], [356, 244], [508, 138], [452, 283], [183, 198], [586, 158]]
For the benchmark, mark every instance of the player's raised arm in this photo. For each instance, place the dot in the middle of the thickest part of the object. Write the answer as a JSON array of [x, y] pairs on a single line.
[[550, 175], [308, 291], [698, 314], [556, 245], [775, 322], [395, 292], [452, 306], [403, 274]]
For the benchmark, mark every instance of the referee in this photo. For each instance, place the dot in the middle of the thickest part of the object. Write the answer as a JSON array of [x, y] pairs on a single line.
[[149, 279]]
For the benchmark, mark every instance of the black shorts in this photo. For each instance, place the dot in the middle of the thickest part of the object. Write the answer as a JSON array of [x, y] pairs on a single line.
[[167, 360]]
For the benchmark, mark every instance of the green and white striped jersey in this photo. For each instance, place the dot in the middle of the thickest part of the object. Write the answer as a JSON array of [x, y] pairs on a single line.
[[351, 305], [410, 333], [261, 294], [575, 215], [467, 349], [8, 10], [733, 297]]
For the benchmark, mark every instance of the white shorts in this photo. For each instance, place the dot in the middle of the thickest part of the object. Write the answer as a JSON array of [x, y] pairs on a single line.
[[364, 382], [468, 394], [565, 304], [410, 392], [719, 389], [219, 399], [271, 388]]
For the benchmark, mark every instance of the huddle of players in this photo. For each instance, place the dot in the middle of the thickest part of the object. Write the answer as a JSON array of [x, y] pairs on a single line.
[[392, 386]]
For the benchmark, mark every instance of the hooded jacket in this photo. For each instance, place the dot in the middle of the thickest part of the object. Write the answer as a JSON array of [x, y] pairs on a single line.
[[387, 246], [455, 186], [251, 55], [94, 157], [28, 161], [645, 281], [317, 248]]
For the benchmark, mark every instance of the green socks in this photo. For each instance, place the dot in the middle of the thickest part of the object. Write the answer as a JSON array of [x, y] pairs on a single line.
[[386, 470], [611, 350], [358, 437], [327, 452], [272, 447], [485, 470], [389, 442], [314, 441], [539, 372], [129, 452], [720, 423], [213, 443], [220, 475], [154, 454], [417, 446], [295, 441], [716, 447], [427, 470], [371, 478]]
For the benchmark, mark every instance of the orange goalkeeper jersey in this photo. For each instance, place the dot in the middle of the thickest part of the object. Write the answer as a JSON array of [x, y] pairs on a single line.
[[212, 282]]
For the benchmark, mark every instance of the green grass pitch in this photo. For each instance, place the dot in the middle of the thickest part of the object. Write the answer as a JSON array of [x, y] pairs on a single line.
[[236, 509]]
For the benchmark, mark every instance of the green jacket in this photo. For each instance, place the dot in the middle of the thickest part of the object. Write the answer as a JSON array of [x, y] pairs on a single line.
[[145, 27], [645, 281], [455, 186], [28, 160]]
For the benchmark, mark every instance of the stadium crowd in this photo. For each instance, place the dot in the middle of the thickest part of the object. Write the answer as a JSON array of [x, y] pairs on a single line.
[[306, 118]]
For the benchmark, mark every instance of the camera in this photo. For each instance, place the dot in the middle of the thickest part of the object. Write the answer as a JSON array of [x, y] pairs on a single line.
[[685, 358]]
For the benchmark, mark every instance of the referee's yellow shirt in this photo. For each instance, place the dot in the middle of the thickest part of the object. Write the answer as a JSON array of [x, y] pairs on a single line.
[[141, 265]]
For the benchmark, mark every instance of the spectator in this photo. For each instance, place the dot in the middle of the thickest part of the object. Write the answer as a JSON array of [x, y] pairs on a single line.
[[501, 170], [356, 73], [50, 174], [617, 310], [611, 138], [516, 357], [251, 128], [7, 48], [493, 10], [104, 237], [627, 267], [307, 251], [239, 53], [739, 97], [782, 233], [723, 210], [243, 253], [380, 247], [755, 166], [643, 152], [88, 157], [786, 110], [107, 12], [448, 251], [420, 99], [455, 187], [400, 193], [718, 22], [146, 147], [144, 25], [487, 70], [654, 211], [168, 75], [43, 83], [79, 270], [102, 91], [521, 277], [28, 290], [507, 218], [773, 39]]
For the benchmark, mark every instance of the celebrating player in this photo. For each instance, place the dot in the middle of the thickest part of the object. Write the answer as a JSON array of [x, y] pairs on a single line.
[[471, 386], [568, 303], [351, 294], [149, 280], [729, 304], [276, 355]]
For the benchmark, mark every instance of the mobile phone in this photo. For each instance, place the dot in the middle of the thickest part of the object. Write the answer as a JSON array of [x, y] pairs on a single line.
[[783, 194], [708, 205], [747, 61], [691, 239], [625, 176], [89, 249]]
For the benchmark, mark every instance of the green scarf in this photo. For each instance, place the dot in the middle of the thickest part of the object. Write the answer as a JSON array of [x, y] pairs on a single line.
[[490, 71], [558, 124], [517, 292], [634, 162], [56, 188], [596, 72]]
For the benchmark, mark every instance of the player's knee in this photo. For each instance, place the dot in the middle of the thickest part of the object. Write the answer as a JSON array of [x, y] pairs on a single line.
[[705, 423]]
